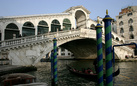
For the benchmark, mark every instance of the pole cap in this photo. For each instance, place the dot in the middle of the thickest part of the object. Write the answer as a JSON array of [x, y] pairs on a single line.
[[98, 25], [107, 16]]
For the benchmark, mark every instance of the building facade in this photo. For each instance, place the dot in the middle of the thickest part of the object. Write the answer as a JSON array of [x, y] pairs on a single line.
[[127, 24], [63, 53]]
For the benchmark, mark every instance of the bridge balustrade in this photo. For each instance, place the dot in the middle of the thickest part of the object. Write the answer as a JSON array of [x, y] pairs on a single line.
[[37, 38]]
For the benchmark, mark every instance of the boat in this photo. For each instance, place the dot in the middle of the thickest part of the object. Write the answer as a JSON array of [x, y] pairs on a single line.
[[17, 78], [33, 84], [92, 75]]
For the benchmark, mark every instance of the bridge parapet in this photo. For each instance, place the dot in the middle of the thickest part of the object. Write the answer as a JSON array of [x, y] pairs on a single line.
[[88, 33], [18, 42]]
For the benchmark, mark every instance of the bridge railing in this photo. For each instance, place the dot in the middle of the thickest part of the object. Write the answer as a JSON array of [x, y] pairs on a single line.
[[36, 38]]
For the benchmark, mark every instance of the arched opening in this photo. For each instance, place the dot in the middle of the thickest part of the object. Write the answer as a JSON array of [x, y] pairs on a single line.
[[80, 19], [112, 36], [92, 27], [55, 25], [131, 36], [122, 32], [121, 23], [66, 24], [11, 31], [131, 29], [43, 27], [28, 29], [130, 21], [117, 38]]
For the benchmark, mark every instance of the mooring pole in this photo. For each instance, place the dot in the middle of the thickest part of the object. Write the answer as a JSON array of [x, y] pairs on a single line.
[[55, 62], [51, 59], [108, 50], [99, 54]]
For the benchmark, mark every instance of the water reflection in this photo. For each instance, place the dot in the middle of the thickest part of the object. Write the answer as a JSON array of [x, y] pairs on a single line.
[[127, 75]]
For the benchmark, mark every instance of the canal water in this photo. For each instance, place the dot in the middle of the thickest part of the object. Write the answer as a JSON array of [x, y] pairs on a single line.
[[127, 76]]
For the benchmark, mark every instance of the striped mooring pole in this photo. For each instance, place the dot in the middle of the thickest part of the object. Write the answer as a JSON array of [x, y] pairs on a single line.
[[55, 82], [99, 54], [108, 50], [51, 59]]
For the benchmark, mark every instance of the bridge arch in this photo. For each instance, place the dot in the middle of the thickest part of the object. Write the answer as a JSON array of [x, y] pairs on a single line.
[[55, 24], [28, 29], [66, 24], [42, 27], [10, 30], [80, 18]]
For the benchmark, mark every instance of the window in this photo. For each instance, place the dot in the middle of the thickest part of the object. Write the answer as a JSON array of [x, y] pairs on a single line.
[[117, 38], [121, 30], [121, 23], [69, 54], [129, 14], [130, 21], [63, 54], [92, 27], [131, 36], [120, 17], [131, 28]]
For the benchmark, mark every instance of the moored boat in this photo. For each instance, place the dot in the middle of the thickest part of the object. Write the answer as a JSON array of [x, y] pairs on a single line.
[[17, 78], [92, 76]]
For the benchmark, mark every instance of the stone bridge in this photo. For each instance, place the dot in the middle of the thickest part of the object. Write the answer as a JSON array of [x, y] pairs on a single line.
[[29, 50]]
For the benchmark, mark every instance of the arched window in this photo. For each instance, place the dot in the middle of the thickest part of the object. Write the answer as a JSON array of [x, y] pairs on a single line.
[[131, 28], [11, 29], [80, 19], [121, 30], [117, 38], [130, 21], [28, 29], [92, 27], [43, 27], [66, 24], [55, 25], [121, 23], [12, 26], [131, 36]]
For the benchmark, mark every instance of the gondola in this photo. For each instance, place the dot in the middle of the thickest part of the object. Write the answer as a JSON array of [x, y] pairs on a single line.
[[89, 76]]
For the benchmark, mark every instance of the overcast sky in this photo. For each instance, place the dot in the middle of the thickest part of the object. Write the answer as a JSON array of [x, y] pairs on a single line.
[[32, 7]]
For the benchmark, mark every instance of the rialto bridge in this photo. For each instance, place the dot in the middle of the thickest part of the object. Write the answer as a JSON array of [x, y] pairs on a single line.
[[38, 31]]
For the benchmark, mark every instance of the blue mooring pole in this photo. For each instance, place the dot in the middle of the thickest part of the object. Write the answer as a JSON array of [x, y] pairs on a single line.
[[52, 79], [108, 50], [55, 80], [99, 54]]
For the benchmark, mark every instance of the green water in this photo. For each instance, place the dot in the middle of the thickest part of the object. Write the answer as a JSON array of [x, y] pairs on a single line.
[[127, 76]]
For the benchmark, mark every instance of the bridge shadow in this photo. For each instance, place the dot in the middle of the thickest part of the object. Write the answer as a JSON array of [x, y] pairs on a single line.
[[83, 48]]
